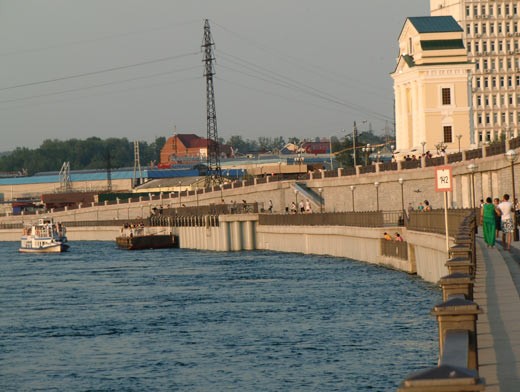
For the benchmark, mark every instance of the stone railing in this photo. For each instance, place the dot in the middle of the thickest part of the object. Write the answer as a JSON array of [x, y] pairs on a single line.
[[457, 320]]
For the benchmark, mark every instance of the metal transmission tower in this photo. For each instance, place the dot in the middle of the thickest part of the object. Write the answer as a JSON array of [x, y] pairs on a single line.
[[137, 165], [214, 172], [65, 182]]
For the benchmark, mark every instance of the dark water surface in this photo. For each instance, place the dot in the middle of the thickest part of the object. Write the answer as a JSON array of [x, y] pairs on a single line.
[[98, 318]]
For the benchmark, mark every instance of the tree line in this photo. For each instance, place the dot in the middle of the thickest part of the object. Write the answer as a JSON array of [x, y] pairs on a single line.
[[92, 153], [96, 153]]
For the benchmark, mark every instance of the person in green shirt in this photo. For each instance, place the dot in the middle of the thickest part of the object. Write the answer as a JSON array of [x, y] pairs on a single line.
[[488, 218]]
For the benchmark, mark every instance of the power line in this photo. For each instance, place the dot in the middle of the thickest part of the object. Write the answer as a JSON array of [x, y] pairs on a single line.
[[98, 85], [102, 38], [311, 67], [100, 71], [310, 91], [102, 94]]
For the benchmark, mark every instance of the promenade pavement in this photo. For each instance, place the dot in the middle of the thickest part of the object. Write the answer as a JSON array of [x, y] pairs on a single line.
[[496, 290]]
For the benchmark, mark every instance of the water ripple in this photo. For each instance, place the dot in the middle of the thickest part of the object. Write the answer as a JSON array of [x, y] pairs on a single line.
[[97, 318]]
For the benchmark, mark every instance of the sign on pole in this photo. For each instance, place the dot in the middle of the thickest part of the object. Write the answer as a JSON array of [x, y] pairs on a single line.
[[444, 183], [443, 179]]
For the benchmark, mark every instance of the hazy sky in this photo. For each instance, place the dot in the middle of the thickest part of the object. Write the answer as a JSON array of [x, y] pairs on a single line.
[[129, 68]]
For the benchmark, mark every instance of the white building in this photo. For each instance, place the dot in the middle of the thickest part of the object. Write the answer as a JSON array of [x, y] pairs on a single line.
[[492, 38], [431, 87]]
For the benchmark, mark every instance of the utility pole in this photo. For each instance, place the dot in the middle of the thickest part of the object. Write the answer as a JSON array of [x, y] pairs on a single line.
[[214, 172], [354, 137]]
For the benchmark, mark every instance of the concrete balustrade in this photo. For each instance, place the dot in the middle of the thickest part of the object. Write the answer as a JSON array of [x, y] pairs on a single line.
[[461, 265], [457, 283], [457, 323], [458, 314]]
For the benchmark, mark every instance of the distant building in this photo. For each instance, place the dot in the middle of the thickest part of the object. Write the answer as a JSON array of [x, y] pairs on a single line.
[[432, 99], [491, 30], [186, 148]]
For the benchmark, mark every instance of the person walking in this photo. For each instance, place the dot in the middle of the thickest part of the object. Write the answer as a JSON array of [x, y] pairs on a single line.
[[498, 219], [507, 226], [487, 218]]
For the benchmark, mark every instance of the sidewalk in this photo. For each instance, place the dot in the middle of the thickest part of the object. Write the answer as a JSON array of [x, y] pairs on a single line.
[[496, 290]]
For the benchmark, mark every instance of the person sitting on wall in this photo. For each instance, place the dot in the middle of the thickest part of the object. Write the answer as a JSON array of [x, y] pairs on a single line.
[[398, 238], [387, 236]]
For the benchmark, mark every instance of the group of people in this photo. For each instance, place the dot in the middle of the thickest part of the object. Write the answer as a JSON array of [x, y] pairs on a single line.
[[302, 207], [498, 216], [397, 237]]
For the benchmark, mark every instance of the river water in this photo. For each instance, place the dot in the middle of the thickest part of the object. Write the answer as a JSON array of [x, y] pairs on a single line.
[[101, 319]]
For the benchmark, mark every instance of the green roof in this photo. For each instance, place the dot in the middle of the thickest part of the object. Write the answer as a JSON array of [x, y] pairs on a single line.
[[409, 60], [442, 44], [435, 24]]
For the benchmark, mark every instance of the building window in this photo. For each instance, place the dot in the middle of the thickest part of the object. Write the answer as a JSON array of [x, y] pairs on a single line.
[[467, 11], [447, 134], [446, 96]]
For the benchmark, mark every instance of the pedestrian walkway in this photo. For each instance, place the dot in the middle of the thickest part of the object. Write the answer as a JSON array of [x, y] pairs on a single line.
[[496, 290]]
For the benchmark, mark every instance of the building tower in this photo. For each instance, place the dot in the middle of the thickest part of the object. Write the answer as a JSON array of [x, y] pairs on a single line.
[[214, 172], [432, 101], [492, 36]]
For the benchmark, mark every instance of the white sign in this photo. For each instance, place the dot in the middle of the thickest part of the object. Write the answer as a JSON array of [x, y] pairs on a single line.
[[443, 179]]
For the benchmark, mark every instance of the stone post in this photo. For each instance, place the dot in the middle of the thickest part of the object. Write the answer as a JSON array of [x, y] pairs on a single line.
[[456, 283], [358, 170], [444, 378], [458, 314], [484, 150], [340, 171], [461, 265]]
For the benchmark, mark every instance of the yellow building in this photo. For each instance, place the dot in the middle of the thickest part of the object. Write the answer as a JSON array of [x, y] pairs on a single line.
[[491, 32], [431, 87]]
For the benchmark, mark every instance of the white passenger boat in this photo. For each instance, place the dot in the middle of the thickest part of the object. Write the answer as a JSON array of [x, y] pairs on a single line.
[[46, 236]]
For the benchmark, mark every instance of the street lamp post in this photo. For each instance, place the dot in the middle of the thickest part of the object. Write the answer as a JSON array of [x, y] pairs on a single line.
[[296, 200], [221, 186], [321, 199], [197, 198], [352, 189], [376, 184], [401, 182], [180, 196], [423, 144], [458, 137], [367, 150], [511, 157], [472, 168]]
